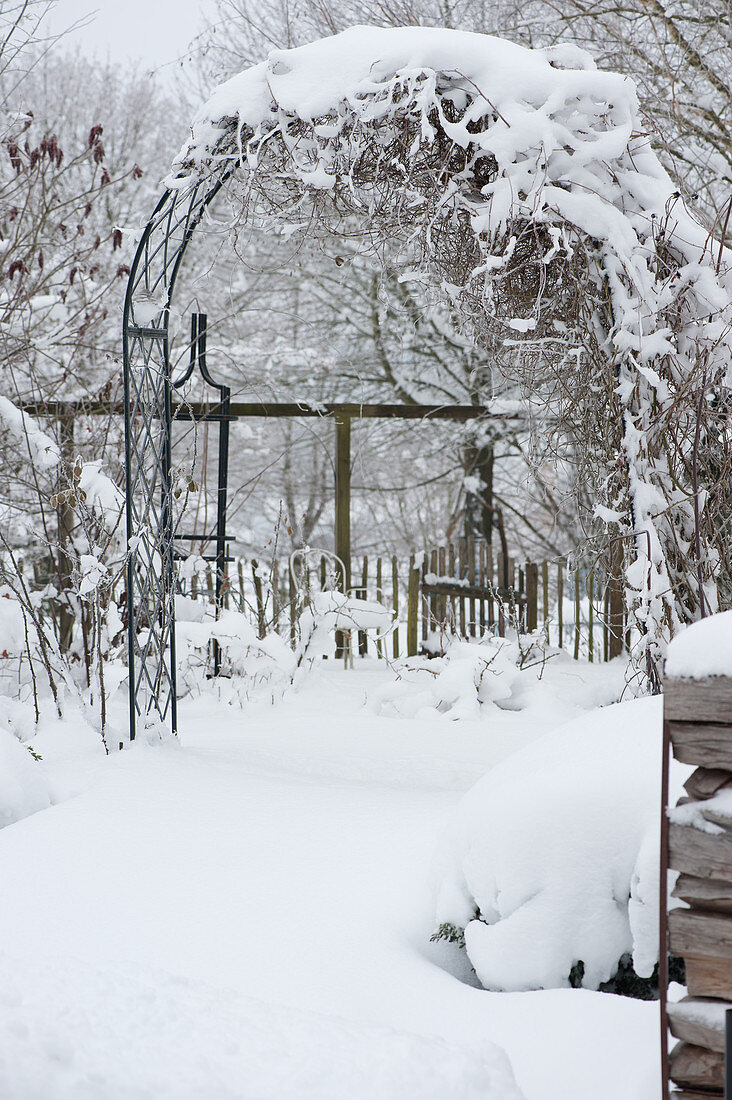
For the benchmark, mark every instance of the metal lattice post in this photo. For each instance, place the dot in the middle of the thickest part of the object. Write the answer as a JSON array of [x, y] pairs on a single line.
[[148, 420]]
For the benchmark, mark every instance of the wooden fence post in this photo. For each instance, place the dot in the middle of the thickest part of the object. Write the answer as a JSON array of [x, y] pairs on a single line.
[[343, 496], [462, 567], [532, 596], [395, 602], [590, 615], [379, 599], [412, 608], [261, 622], [362, 637], [240, 573], [577, 613], [616, 602], [275, 582], [441, 602], [485, 576], [502, 574], [545, 598], [292, 591], [471, 582], [425, 604]]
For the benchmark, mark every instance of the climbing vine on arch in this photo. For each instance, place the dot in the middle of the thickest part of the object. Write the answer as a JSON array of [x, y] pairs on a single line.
[[518, 185]]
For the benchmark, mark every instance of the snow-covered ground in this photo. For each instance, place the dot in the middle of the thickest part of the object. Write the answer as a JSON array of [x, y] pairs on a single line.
[[247, 914]]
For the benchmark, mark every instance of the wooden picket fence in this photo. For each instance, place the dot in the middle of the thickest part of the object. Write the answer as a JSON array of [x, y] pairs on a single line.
[[463, 588]]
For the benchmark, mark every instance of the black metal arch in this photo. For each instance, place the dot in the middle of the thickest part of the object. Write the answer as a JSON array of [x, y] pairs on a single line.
[[148, 421]]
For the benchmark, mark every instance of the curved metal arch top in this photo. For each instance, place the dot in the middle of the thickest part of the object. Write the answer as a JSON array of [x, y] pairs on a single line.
[[148, 421]]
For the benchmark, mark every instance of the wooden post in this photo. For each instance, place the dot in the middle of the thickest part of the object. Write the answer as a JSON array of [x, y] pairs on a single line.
[[616, 602], [292, 590], [412, 608], [590, 615], [560, 603], [434, 606], [502, 567], [462, 566], [577, 613], [362, 637], [342, 539], [532, 596], [471, 581], [275, 595], [395, 602], [240, 571], [379, 599], [545, 598], [441, 615], [343, 496], [425, 605], [261, 622], [65, 523]]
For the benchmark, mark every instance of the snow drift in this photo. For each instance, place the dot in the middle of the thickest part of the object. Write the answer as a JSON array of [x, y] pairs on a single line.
[[23, 786], [552, 859]]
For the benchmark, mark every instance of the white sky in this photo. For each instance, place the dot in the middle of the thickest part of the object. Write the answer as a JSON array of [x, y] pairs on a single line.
[[156, 32]]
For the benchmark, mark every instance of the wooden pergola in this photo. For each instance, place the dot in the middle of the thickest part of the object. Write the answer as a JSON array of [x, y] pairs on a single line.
[[342, 414]]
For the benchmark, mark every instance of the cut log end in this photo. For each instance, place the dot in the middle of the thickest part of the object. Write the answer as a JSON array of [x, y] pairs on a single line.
[[695, 1067]]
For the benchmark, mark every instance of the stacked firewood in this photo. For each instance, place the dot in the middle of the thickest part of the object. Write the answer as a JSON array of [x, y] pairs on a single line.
[[699, 716]]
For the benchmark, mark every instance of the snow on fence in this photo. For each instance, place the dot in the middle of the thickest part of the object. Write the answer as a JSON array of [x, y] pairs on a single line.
[[460, 588]]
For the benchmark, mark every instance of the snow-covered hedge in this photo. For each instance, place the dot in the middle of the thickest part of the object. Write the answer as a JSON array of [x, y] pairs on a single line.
[[552, 860]]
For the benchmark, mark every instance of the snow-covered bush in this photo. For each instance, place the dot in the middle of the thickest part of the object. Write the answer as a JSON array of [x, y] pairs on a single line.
[[460, 682], [549, 874], [249, 664]]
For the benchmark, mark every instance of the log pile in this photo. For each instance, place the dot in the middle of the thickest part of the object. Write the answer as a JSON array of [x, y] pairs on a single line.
[[699, 717]]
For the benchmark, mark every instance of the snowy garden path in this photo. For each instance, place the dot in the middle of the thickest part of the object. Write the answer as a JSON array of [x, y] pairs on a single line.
[[283, 855]]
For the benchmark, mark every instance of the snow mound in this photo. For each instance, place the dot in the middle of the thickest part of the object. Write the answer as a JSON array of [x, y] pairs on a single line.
[[703, 649], [518, 675], [12, 624], [523, 88], [460, 683], [555, 851], [248, 659], [57, 1042], [23, 786]]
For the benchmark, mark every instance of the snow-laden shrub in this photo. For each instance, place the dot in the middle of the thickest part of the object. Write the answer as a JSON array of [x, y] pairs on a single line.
[[248, 663], [460, 682], [550, 873]]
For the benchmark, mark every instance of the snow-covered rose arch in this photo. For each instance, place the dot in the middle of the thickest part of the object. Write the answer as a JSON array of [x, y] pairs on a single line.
[[519, 184]]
